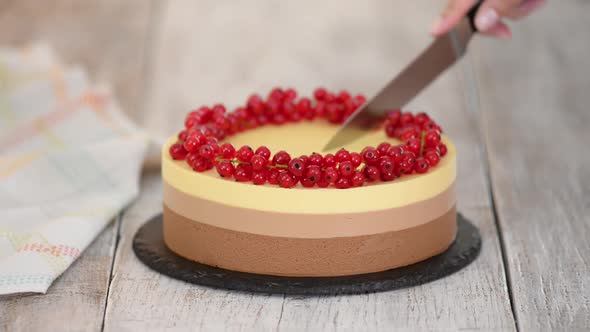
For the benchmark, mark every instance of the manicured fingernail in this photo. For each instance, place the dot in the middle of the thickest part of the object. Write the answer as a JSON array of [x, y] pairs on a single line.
[[486, 19], [437, 26]]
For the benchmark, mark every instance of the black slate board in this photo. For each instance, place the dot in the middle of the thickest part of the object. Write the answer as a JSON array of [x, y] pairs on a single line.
[[149, 247]]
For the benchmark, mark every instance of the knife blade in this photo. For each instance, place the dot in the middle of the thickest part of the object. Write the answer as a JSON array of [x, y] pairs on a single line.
[[441, 54]]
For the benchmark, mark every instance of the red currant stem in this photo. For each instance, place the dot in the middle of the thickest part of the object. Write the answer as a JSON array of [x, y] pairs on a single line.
[[422, 135], [233, 161], [278, 166]]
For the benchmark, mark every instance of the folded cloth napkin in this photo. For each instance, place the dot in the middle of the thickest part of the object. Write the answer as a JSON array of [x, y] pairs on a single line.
[[69, 162]]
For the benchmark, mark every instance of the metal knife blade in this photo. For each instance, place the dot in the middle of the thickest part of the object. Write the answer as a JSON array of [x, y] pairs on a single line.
[[441, 54]]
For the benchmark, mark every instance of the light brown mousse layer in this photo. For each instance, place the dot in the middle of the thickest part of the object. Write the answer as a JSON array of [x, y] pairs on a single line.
[[307, 225], [286, 256]]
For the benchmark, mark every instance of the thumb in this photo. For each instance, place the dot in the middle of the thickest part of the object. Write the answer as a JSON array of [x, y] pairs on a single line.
[[453, 13]]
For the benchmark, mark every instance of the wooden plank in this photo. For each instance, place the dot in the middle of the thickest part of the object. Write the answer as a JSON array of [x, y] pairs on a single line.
[[76, 300], [141, 299], [535, 106], [108, 38], [202, 57]]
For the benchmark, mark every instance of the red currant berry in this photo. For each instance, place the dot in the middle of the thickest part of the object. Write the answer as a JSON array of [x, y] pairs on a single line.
[[329, 160], [396, 152], [342, 183], [371, 173], [432, 157], [277, 94], [200, 164], [386, 164], [225, 169], [421, 166], [303, 106], [306, 183], [323, 183], [273, 176], [320, 109], [331, 175], [320, 93], [334, 113], [191, 158], [263, 151], [255, 104], [414, 145], [281, 158], [386, 177], [316, 159], [409, 133], [409, 157], [383, 148], [431, 138], [330, 97], [305, 160], [279, 119], [390, 130], [219, 109], [370, 155], [259, 177], [206, 151], [290, 94], [442, 149], [345, 168], [420, 119], [313, 173], [289, 108], [286, 180], [431, 125], [296, 167], [191, 122], [245, 154], [394, 117], [177, 151], [358, 179], [192, 143], [243, 173], [262, 119], [183, 135], [356, 159], [359, 100], [343, 96], [221, 122], [227, 151], [258, 162], [405, 167], [406, 118]]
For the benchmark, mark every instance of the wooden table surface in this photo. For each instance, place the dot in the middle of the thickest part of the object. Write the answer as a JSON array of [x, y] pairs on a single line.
[[517, 111]]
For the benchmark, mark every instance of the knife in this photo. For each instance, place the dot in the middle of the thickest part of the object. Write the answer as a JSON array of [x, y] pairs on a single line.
[[441, 54]]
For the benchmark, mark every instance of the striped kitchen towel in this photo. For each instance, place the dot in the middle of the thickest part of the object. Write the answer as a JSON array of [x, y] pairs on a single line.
[[69, 162]]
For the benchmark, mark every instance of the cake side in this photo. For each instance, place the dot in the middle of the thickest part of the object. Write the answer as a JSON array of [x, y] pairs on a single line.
[[338, 256]]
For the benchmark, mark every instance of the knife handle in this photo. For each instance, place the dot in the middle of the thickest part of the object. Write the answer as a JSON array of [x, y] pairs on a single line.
[[471, 15]]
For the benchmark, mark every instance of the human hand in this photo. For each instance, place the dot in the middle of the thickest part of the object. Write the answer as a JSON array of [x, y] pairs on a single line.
[[489, 17]]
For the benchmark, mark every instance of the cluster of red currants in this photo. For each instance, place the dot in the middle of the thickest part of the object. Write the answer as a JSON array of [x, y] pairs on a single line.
[[198, 144]]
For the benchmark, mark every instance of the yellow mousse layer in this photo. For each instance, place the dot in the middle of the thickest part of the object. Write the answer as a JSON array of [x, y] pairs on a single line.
[[305, 138]]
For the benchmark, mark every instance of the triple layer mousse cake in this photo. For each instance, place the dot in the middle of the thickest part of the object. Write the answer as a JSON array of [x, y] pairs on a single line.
[[303, 230]]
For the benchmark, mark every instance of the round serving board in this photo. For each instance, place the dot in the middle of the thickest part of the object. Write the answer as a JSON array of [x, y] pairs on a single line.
[[149, 246]]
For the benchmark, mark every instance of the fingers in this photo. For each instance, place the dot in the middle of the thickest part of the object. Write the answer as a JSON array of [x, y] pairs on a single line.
[[455, 11], [500, 30], [488, 19]]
